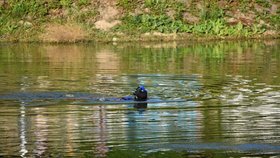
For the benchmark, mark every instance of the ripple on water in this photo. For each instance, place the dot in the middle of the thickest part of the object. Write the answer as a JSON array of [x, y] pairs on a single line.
[[224, 115]]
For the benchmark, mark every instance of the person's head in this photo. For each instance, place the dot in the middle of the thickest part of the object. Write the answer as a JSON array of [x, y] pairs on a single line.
[[140, 94]]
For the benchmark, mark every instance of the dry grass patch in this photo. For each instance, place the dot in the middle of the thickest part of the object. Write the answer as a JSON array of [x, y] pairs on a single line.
[[63, 33]]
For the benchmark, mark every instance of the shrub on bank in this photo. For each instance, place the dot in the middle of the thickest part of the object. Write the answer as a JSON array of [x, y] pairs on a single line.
[[28, 19]]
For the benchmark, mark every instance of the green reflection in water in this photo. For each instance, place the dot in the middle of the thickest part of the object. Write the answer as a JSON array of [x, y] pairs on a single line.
[[213, 58], [76, 62], [234, 87]]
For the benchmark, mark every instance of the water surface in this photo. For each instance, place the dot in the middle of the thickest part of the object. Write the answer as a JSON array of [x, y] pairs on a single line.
[[231, 92]]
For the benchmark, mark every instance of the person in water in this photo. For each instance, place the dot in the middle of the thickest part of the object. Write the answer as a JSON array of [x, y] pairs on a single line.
[[140, 94]]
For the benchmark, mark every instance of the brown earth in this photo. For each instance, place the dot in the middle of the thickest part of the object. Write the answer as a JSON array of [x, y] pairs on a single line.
[[63, 33], [109, 15], [107, 18]]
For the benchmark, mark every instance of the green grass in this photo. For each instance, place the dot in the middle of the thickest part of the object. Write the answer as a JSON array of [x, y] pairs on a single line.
[[83, 2], [220, 28], [164, 24], [264, 3], [129, 5], [165, 16], [275, 21], [146, 23], [21, 8], [29, 16], [158, 20], [22, 18], [211, 11]]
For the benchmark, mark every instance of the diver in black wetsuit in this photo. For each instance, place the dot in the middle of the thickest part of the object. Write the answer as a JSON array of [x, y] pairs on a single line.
[[140, 94]]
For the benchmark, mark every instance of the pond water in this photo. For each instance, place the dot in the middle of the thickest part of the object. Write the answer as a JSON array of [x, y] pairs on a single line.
[[230, 92]]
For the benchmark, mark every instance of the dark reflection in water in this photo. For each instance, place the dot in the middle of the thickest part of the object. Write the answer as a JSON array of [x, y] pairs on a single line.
[[232, 108]]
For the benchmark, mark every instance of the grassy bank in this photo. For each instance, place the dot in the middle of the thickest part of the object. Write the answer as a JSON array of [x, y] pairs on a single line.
[[144, 20]]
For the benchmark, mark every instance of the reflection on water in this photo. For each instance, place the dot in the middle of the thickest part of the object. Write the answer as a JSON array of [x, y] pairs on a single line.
[[22, 126], [232, 88]]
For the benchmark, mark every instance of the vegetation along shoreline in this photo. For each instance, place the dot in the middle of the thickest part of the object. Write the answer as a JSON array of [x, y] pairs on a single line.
[[137, 20]]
